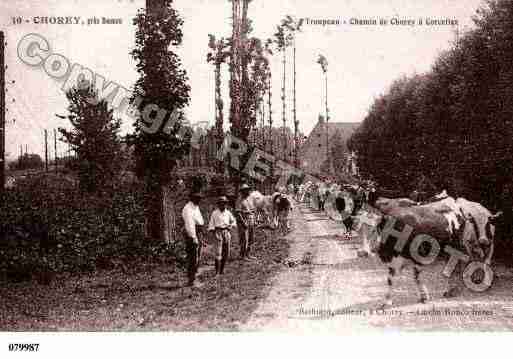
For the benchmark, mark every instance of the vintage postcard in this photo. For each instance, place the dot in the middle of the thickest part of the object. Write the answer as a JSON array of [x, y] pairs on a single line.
[[338, 167]]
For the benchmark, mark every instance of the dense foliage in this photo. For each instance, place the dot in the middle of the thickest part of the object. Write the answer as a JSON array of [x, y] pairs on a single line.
[[162, 82], [48, 226], [452, 124], [263, 137], [249, 71], [94, 137]]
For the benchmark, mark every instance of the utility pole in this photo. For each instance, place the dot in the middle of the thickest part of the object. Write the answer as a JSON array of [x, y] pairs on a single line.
[[46, 150], [324, 66], [2, 112], [55, 147]]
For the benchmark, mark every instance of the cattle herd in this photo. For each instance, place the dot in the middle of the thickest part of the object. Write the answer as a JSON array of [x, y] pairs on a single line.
[[273, 210], [454, 225]]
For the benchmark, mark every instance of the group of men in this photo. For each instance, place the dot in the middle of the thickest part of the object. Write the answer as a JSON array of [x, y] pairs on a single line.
[[220, 224]]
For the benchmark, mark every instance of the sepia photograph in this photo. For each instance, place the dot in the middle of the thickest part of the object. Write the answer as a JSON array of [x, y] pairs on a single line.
[[296, 167]]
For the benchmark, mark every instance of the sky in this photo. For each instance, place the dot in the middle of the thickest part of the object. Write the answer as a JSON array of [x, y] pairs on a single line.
[[363, 60]]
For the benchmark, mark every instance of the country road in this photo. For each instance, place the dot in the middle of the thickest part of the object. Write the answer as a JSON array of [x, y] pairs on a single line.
[[310, 281], [329, 289]]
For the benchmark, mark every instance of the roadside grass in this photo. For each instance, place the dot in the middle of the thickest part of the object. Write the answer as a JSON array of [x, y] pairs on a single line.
[[147, 297]]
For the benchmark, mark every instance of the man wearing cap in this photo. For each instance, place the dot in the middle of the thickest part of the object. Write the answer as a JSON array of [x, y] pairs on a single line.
[[193, 221], [221, 221], [246, 221]]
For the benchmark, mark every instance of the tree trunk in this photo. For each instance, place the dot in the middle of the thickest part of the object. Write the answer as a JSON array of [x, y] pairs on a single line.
[[327, 128], [284, 108], [219, 118], [245, 121], [269, 106], [262, 121], [296, 123], [234, 69], [219, 106], [154, 208]]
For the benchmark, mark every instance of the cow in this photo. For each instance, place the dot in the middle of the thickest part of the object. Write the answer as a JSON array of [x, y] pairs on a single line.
[[274, 209], [263, 207], [365, 224], [461, 224], [282, 206], [339, 205], [483, 225]]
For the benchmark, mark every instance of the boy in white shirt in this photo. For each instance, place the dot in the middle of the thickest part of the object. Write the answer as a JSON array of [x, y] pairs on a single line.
[[193, 221], [221, 221]]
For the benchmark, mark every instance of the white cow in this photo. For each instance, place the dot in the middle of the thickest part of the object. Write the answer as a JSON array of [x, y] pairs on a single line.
[[263, 206], [459, 224], [271, 208]]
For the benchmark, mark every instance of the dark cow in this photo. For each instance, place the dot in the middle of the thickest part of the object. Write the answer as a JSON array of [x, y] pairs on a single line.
[[282, 205], [463, 225]]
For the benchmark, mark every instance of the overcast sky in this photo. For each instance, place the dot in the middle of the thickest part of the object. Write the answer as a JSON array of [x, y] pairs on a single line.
[[363, 60]]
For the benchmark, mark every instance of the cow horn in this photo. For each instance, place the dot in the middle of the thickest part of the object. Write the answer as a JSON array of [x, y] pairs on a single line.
[[493, 218]]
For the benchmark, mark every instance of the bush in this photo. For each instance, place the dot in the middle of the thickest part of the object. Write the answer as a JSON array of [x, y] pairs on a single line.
[[47, 225]]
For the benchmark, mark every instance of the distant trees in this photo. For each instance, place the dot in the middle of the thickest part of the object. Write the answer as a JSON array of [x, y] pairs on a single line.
[[452, 125], [249, 76], [27, 161], [94, 137], [285, 37], [338, 159], [283, 40], [262, 137], [242, 51]]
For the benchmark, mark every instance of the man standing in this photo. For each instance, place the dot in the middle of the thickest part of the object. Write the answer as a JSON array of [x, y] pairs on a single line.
[[246, 221], [322, 195], [193, 220], [221, 221]]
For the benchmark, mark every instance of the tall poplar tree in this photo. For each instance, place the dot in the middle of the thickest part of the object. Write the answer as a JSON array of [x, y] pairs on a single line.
[[162, 82]]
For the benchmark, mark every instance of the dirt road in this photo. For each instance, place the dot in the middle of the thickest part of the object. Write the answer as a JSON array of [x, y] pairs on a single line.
[[327, 288], [311, 281]]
